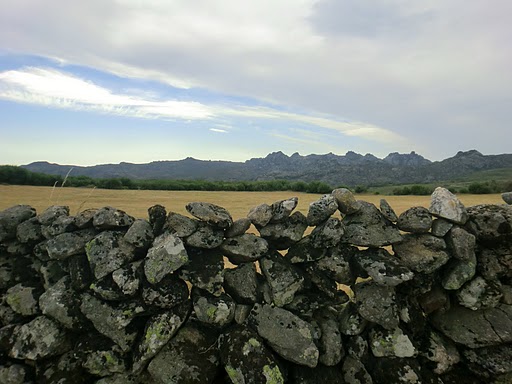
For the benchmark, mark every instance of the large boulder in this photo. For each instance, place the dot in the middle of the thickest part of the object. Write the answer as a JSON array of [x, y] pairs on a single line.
[[211, 214]]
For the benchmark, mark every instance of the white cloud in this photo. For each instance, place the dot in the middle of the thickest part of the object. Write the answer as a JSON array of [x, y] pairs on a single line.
[[218, 130]]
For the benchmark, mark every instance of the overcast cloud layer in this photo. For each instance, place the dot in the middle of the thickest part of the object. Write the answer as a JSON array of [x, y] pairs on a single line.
[[254, 77]]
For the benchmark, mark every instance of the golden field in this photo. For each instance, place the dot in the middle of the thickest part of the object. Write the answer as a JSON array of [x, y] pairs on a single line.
[[136, 203]]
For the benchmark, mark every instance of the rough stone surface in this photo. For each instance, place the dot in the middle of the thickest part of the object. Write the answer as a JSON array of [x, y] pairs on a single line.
[[157, 215], [347, 203], [330, 345], [394, 343], [479, 293], [205, 236], [165, 256], [111, 218], [140, 234], [182, 226], [260, 215], [507, 197], [442, 352], [491, 360], [446, 205], [354, 372], [383, 268], [238, 228], [60, 225], [283, 234], [327, 234], [241, 283], [461, 243], [244, 248], [458, 272], [283, 208], [60, 303], [388, 211], [170, 292], [415, 220], [490, 222], [29, 231], [211, 214], [205, 269], [128, 278], [377, 304], [213, 310], [321, 210], [440, 227], [23, 299], [422, 252], [304, 251], [69, 244]]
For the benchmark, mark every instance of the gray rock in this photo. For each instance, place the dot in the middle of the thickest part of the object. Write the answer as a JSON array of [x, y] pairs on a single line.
[[157, 215], [442, 352], [388, 211], [506, 291], [495, 260], [491, 360], [168, 293], [245, 248], [321, 210], [490, 222], [165, 256], [422, 252], [480, 293], [303, 251], [347, 204], [217, 311], [440, 227], [446, 205], [205, 269], [507, 197], [354, 372], [104, 362], [60, 303], [330, 345], [242, 312], [238, 228], [397, 370], [190, 357], [39, 339], [79, 272], [476, 329], [461, 243], [29, 231], [111, 218], [283, 208], [51, 214], [211, 214], [182, 226], [415, 220], [357, 347], [140, 234], [260, 215], [205, 236], [351, 322], [336, 264], [107, 252], [158, 331], [328, 234], [282, 234], [458, 272], [15, 374], [382, 267], [377, 304], [128, 278], [391, 343], [106, 289], [287, 334], [283, 278], [241, 283], [246, 358], [84, 218], [60, 225], [435, 299], [23, 299], [11, 217], [369, 228], [69, 244]]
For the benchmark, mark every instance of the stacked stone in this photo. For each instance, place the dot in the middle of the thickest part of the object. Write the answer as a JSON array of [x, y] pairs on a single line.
[[367, 296]]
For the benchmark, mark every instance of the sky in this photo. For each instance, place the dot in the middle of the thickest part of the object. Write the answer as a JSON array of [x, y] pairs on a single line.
[[106, 81]]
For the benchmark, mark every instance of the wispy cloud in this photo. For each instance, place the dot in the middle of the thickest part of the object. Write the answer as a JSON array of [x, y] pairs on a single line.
[[218, 130]]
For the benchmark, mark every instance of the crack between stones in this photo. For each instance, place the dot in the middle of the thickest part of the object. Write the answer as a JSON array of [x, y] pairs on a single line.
[[492, 327]]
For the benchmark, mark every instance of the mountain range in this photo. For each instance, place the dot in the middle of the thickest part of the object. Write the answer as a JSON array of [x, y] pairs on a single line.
[[350, 169]]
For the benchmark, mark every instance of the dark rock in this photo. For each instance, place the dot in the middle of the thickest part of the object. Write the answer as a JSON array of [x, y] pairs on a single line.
[[283, 278], [40, 251], [491, 360], [347, 203], [182, 226], [422, 252], [388, 211], [168, 293], [330, 345], [211, 214], [80, 272], [282, 234], [446, 205], [434, 300], [100, 357], [69, 244], [440, 227], [461, 243], [392, 370], [480, 293], [442, 352], [507, 197], [336, 264], [111, 218], [351, 322], [157, 215], [205, 236], [23, 299], [328, 234], [245, 248], [128, 278], [357, 347], [415, 220], [246, 359], [390, 343], [377, 304], [282, 209], [242, 312], [506, 291], [354, 372], [320, 374], [106, 289], [41, 338], [165, 256], [238, 228], [458, 272], [60, 303], [218, 311], [495, 261], [490, 222], [205, 269], [60, 225], [369, 228], [260, 215], [306, 304], [321, 210], [51, 214], [140, 234], [51, 272], [190, 357], [15, 374], [65, 369], [241, 283], [29, 231], [382, 267], [286, 334], [84, 218], [303, 251]]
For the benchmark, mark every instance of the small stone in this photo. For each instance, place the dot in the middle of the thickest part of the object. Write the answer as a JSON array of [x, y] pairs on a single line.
[[303, 251], [60, 225], [111, 218], [15, 374], [242, 312], [434, 300], [107, 252], [351, 322], [507, 197], [80, 272], [51, 214], [238, 228], [391, 343], [480, 293], [283, 208], [377, 303], [422, 252], [166, 256], [241, 283], [29, 231], [217, 311], [388, 211], [397, 370], [446, 205], [11, 217], [104, 361], [347, 204], [60, 303], [205, 236], [382, 267], [321, 210], [415, 220], [205, 269], [211, 214], [330, 345], [245, 248], [69, 244], [461, 243], [84, 218], [506, 291], [442, 352], [354, 372], [440, 227], [168, 293], [140, 234], [336, 264], [260, 215], [328, 234], [495, 260], [157, 215], [128, 278], [458, 272], [182, 226], [282, 234], [23, 299], [107, 290]]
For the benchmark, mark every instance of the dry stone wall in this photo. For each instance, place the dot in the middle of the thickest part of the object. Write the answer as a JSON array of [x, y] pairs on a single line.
[[366, 297]]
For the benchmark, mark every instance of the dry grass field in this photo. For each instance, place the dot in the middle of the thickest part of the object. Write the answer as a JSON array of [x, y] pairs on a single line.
[[238, 204]]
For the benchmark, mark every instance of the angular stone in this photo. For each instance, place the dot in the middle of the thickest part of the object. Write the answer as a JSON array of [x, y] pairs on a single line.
[[422, 252], [382, 267], [507, 197], [165, 256], [111, 218], [260, 215], [347, 204], [330, 345], [242, 312], [283, 278], [106, 289], [491, 360], [23, 299], [190, 357], [377, 304], [506, 291], [140, 234], [458, 272], [84, 218], [415, 220], [157, 215], [107, 252], [238, 228], [440, 227], [354, 372], [39, 339], [11, 217], [100, 357], [287, 334], [128, 278], [205, 269], [29, 231], [446, 205], [391, 343], [211, 214], [321, 210], [80, 272], [182, 226], [461, 243], [303, 251], [490, 222], [480, 293], [158, 331], [351, 322], [398, 370], [168, 293], [205, 236], [388, 211], [60, 225], [369, 228], [442, 352], [246, 359], [60, 303], [245, 248], [69, 244], [328, 234], [434, 300], [283, 208], [495, 261], [336, 264], [218, 311], [282, 234], [357, 347], [15, 374], [241, 283], [51, 214]]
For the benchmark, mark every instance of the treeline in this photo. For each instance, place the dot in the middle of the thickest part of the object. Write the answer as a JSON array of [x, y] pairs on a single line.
[[19, 176], [476, 188]]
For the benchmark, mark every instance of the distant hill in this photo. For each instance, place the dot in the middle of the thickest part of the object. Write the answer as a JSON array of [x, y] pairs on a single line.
[[350, 169]]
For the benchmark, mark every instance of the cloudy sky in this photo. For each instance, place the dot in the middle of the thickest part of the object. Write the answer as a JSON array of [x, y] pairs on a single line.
[[105, 81]]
